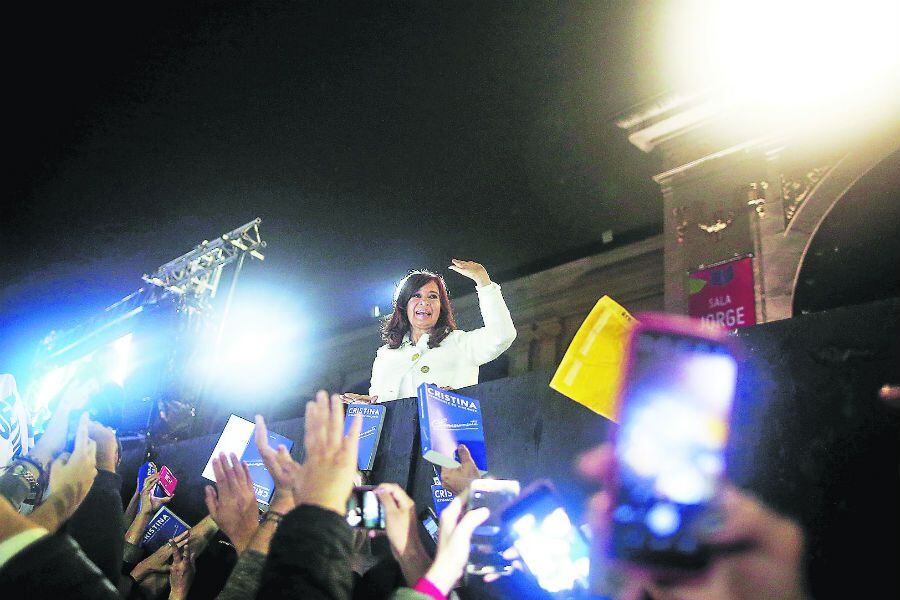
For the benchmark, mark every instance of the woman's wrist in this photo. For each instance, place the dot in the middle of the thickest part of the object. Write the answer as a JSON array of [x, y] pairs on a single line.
[[441, 578], [282, 508], [427, 588]]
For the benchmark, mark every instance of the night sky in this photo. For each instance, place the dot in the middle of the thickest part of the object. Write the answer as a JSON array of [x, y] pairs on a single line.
[[371, 138]]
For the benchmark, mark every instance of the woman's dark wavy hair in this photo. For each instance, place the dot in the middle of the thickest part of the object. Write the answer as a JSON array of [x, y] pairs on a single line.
[[397, 325]]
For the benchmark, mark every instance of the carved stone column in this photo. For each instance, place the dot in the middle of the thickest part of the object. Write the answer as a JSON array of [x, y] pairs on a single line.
[[547, 350], [520, 351]]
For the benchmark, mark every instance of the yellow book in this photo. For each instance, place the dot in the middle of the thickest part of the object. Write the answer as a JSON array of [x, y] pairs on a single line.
[[591, 369]]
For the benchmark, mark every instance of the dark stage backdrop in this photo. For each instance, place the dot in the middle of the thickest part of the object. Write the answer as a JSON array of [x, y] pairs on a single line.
[[809, 436]]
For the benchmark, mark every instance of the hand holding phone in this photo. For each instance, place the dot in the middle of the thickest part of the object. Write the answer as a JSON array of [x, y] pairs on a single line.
[[364, 509], [429, 521], [550, 546], [674, 411], [494, 494]]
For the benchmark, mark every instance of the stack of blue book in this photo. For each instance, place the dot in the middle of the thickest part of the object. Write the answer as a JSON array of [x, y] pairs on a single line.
[[446, 420], [372, 422]]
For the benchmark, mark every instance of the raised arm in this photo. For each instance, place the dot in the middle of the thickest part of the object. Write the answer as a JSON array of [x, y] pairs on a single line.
[[309, 556], [71, 477], [487, 343]]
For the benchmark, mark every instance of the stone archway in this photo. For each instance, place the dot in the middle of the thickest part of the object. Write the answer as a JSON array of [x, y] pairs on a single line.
[[731, 192], [826, 184], [854, 251]]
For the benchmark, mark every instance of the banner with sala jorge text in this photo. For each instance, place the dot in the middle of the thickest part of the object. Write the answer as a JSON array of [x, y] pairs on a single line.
[[723, 294]]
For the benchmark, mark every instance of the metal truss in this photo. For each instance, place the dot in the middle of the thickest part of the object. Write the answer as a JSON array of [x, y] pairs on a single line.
[[195, 275], [189, 282]]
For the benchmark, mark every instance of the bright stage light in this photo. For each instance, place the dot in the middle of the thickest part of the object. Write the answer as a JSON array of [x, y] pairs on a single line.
[[50, 385], [121, 359], [261, 347], [790, 60]]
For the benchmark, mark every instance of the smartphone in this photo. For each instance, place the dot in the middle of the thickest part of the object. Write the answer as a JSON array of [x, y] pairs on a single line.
[[72, 429], [429, 521], [145, 470], [674, 411], [549, 544], [364, 509], [484, 554], [166, 484]]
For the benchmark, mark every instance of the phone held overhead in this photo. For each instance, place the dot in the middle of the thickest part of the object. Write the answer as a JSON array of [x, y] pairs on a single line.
[[364, 509], [674, 411], [486, 546]]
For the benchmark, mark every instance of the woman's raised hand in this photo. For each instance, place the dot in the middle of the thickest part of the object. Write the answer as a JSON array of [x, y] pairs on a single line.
[[473, 270]]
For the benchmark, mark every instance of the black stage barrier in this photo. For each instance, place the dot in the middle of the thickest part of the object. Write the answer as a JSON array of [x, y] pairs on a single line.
[[809, 436]]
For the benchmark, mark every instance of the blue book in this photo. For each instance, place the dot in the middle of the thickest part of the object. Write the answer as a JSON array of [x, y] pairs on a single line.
[[237, 437], [446, 420], [162, 527], [370, 434], [441, 497]]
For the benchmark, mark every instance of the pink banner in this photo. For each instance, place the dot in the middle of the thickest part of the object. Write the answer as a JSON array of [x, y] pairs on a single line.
[[724, 294]]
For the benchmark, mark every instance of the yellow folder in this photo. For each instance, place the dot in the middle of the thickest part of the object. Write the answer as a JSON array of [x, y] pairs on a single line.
[[591, 369]]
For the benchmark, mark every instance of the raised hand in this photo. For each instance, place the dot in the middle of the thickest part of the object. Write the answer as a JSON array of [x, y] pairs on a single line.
[[770, 567], [234, 507], [79, 469], [284, 469], [454, 539], [457, 480], [71, 478], [181, 575], [402, 531], [330, 456], [107, 446], [473, 270], [53, 440]]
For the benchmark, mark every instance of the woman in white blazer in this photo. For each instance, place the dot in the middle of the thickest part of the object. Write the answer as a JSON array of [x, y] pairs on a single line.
[[422, 343]]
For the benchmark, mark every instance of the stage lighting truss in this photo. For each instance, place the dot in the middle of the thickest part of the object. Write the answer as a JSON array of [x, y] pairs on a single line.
[[195, 275], [192, 279]]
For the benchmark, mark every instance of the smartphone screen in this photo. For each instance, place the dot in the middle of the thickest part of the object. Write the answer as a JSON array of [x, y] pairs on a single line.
[[673, 427], [364, 510], [431, 526], [495, 494], [549, 544]]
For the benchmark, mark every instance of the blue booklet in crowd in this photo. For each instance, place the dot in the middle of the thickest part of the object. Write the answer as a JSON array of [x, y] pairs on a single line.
[[162, 527], [372, 420], [441, 497], [446, 420], [237, 437]]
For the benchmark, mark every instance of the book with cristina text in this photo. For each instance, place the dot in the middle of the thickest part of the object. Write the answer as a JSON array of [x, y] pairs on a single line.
[[237, 438], [370, 433], [162, 527], [446, 420]]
